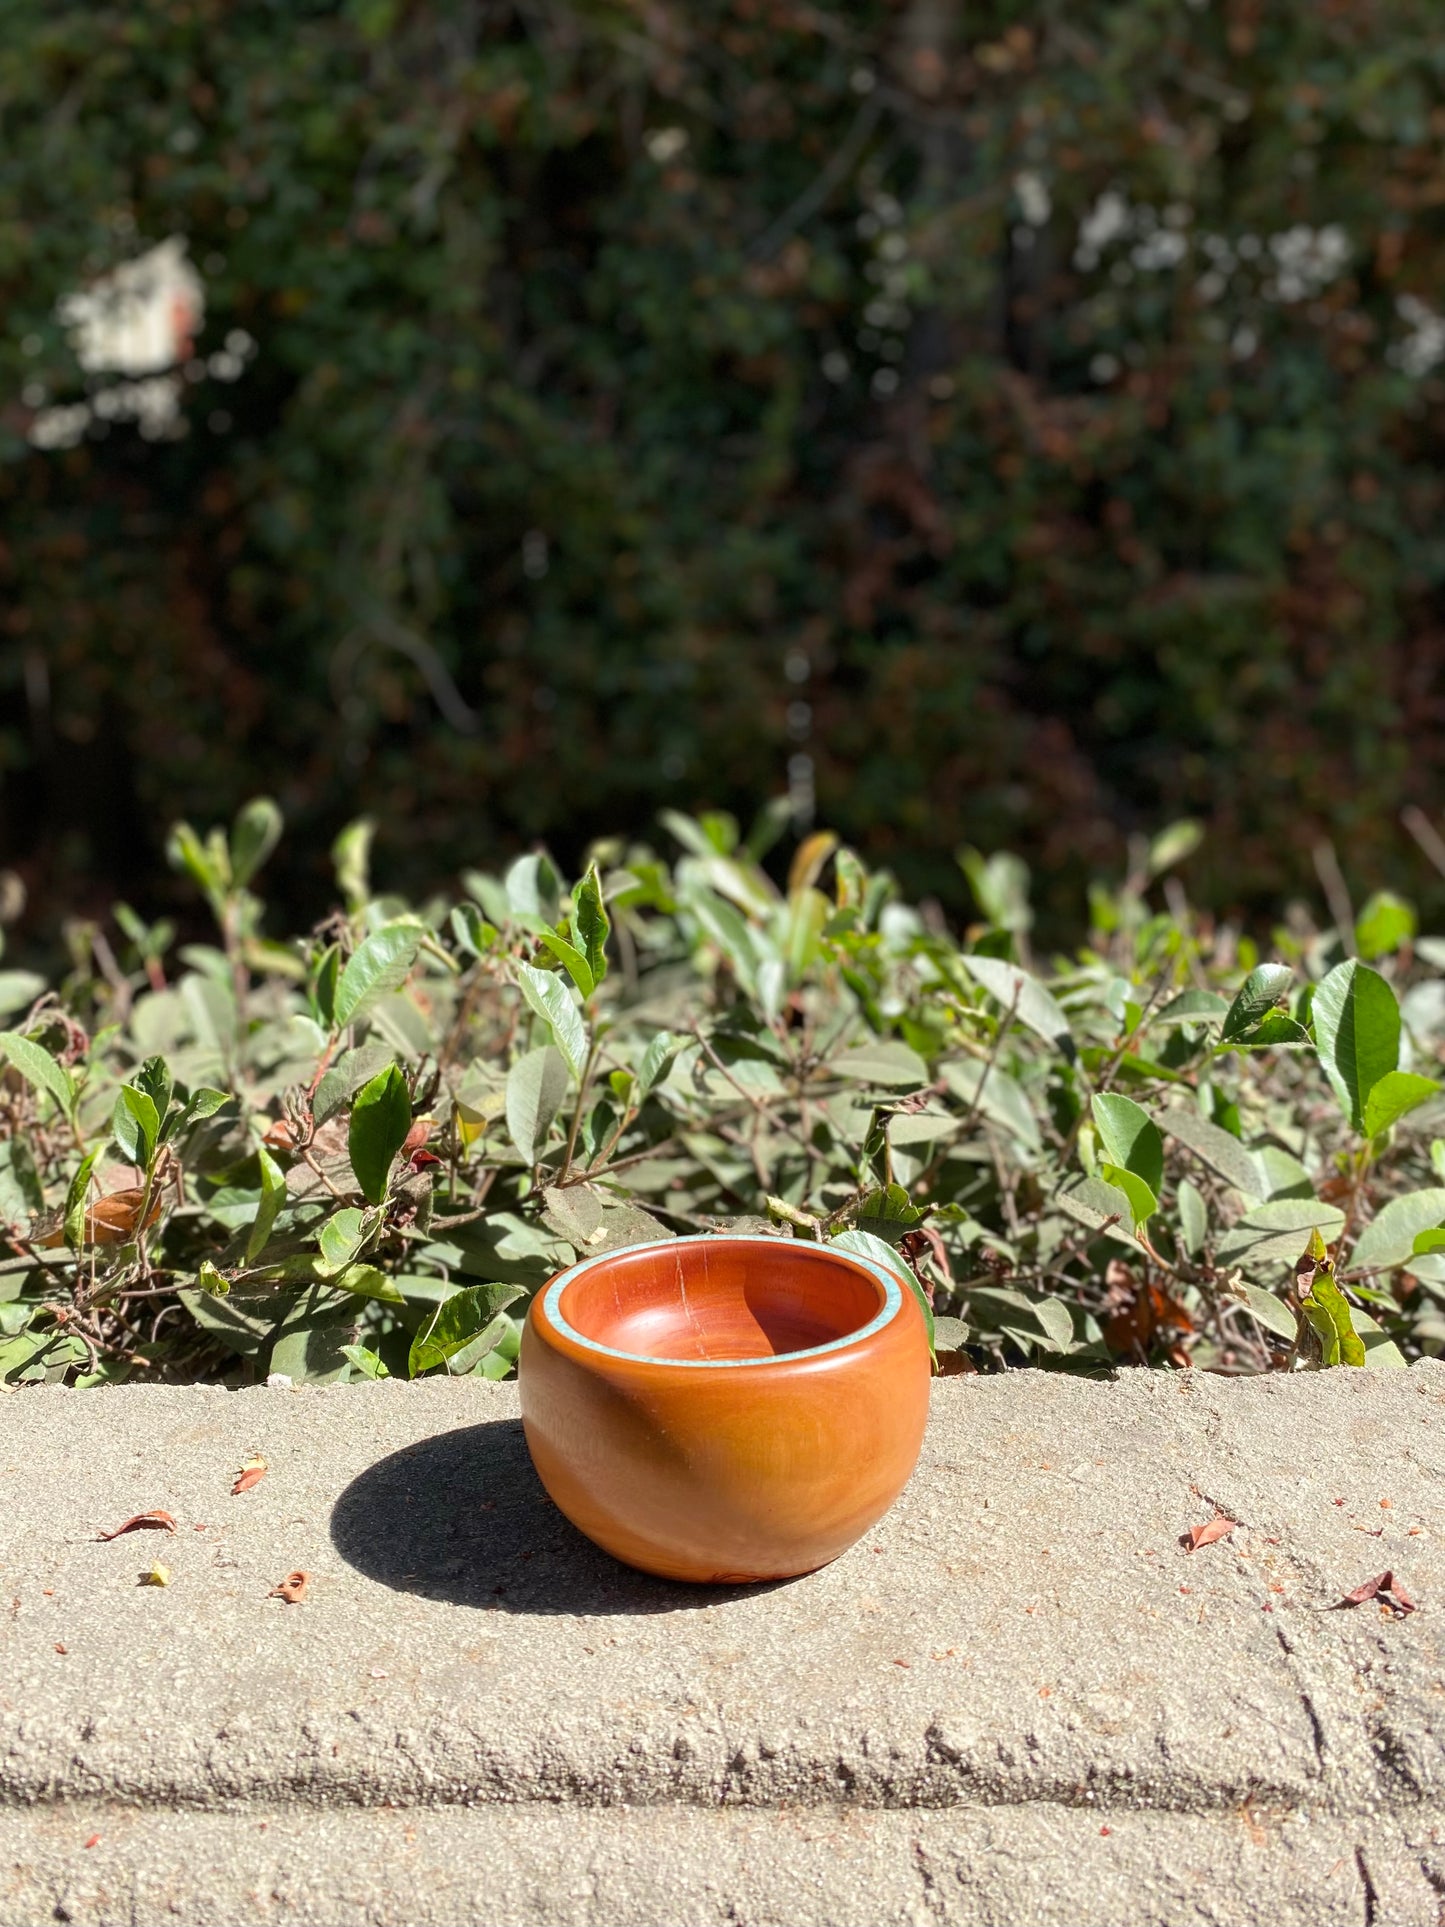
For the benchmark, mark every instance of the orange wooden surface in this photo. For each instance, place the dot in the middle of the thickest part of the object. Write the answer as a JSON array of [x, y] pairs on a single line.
[[700, 1469]]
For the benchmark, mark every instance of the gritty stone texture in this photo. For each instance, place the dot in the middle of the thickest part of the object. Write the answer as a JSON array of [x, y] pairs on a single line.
[[832, 1866], [1018, 1699]]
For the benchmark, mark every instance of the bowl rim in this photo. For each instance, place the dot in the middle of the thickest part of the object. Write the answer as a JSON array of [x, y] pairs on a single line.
[[550, 1302]]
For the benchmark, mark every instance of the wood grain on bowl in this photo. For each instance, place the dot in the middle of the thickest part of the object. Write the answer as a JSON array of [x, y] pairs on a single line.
[[725, 1409]]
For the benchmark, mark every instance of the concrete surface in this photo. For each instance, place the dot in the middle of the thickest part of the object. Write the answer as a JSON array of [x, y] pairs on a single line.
[[1018, 1700]]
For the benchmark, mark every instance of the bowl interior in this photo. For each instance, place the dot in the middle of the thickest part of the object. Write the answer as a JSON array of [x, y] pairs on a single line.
[[721, 1298]]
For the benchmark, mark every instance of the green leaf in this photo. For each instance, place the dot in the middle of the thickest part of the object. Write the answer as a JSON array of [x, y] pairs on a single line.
[[1000, 885], [1173, 845], [533, 888], [380, 965], [474, 1313], [1357, 1029], [1260, 992], [1094, 1203], [208, 865], [1131, 1139], [1270, 1311], [571, 959], [201, 1104], [366, 1281], [552, 1001], [656, 1062], [865, 1245], [1381, 1351], [135, 1126], [690, 834], [254, 835], [574, 1214], [1143, 1201], [1385, 923], [1281, 1173], [1219, 1149], [1273, 1031], [471, 929], [21, 1190], [536, 1086], [1035, 1007], [211, 1281], [1392, 1096], [75, 1201], [324, 975], [368, 1363], [347, 1075], [1193, 1217], [728, 929], [887, 1213], [40, 1069], [154, 1078], [1326, 1297], [1294, 1214], [380, 1120], [591, 924], [342, 1236], [1027, 1320], [1193, 1007], [993, 1092], [273, 1196], [351, 860], [19, 989], [1390, 1239], [885, 1062]]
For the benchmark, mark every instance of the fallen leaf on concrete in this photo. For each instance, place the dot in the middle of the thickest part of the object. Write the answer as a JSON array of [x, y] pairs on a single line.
[[251, 1473], [93, 1841], [1217, 1528], [158, 1575], [1384, 1586], [292, 1588], [59, 1648], [161, 1520]]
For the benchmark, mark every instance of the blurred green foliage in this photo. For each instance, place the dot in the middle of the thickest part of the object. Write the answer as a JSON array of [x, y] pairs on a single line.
[[1028, 415]]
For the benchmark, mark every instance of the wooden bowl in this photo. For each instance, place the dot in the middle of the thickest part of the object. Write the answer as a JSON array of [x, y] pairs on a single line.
[[725, 1409]]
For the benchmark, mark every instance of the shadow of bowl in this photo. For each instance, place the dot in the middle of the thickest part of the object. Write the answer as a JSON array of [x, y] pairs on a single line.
[[462, 1517]]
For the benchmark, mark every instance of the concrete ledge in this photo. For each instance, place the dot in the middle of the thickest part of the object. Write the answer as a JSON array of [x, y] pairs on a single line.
[[1021, 1653], [733, 1866]]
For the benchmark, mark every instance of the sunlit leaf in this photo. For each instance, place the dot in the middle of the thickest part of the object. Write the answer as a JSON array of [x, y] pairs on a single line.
[[1357, 1028], [379, 965]]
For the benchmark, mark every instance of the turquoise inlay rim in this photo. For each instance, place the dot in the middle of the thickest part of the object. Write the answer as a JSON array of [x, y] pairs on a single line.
[[552, 1305]]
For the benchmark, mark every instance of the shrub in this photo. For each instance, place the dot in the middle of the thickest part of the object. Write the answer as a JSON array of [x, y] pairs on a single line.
[[359, 1152], [1029, 418]]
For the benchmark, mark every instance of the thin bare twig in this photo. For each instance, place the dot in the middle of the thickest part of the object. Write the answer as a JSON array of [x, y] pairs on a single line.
[[1425, 834], [1337, 894]]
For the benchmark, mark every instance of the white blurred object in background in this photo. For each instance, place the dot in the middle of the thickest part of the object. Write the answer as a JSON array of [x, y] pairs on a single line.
[[141, 321]]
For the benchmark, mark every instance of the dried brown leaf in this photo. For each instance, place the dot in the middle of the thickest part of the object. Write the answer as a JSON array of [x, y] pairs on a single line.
[[162, 1521], [111, 1220], [251, 1473], [292, 1588], [1384, 1585], [1206, 1535]]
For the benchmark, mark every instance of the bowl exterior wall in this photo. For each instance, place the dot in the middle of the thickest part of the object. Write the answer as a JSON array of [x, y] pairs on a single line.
[[731, 1473]]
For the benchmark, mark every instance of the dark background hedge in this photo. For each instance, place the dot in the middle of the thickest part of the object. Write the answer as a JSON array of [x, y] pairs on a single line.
[[647, 393]]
